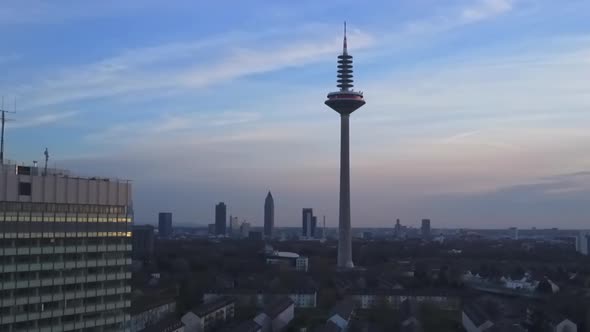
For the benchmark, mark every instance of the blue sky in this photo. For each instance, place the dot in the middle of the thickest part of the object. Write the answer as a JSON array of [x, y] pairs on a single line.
[[476, 112]]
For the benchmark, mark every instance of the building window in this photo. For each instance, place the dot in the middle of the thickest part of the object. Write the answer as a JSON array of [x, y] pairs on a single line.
[[24, 188]]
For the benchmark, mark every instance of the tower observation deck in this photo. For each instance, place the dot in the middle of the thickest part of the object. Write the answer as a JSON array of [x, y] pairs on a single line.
[[345, 101]]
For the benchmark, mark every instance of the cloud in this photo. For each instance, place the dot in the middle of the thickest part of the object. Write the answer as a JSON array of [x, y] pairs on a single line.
[[171, 67], [485, 9], [44, 119]]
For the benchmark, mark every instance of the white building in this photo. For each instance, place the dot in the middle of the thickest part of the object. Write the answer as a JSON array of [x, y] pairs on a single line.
[[302, 264], [526, 283], [65, 250], [299, 263], [212, 314]]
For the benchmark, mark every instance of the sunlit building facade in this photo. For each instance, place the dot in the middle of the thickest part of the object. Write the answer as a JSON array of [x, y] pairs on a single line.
[[65, 251]]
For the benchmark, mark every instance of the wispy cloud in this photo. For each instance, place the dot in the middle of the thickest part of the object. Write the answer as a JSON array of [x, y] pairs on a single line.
[[484, 9], [151, 70], [44, 119]]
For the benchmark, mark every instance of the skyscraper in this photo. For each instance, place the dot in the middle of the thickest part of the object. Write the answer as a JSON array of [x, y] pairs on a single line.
[[66, 251], [143, 241], [165, 224], [269, 215], [345, 101], [234, 227], [307, 222], [426, 229], [220, 218]]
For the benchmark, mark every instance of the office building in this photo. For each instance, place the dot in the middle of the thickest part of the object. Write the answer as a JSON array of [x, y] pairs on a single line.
[[245, 230], [164, 224], [211, 229], [308, 223], [143, 241], [425, 230], [65, 244], [269, 215], [220, 218], [234, 227], [345, 101]]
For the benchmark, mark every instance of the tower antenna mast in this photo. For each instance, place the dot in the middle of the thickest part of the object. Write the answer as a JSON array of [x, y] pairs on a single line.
[[3, 120]]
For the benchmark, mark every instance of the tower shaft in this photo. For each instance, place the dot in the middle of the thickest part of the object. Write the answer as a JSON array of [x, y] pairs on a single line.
[[345, 238]]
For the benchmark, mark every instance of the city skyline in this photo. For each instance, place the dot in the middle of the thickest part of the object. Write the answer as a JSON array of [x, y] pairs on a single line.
[[476, 119]]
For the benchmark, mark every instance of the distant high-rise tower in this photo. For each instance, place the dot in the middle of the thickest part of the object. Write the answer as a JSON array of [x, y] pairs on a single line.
[[307, 223], [269, 215], [345, 101], [220, 218], [426, 229], [164, 224]]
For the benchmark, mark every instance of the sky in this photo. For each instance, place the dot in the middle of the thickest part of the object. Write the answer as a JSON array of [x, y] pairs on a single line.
[[477, 111]]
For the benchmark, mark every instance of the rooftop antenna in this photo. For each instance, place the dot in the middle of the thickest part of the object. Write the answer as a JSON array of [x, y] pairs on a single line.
[[4, 119], [344, 46], [46, 153]]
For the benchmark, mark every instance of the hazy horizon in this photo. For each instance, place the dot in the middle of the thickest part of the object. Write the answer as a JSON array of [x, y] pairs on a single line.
[[476, 111]]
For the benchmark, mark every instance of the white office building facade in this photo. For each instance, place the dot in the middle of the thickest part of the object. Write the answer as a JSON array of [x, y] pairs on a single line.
[[65, 251]]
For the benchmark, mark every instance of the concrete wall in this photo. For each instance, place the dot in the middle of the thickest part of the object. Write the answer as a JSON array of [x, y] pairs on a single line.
[[60, 189]]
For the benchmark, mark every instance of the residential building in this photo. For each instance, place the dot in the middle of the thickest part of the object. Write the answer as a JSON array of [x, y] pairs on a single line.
[[65, 244], [247, 326], [149, 310], [276, 315], [164, 224], [475, 319], [168, 324], [220, 218], [559, 323], [214, 313], [340, 316], [425, 229], [143, 241], [269, 215], [302, 297], [371, 297]]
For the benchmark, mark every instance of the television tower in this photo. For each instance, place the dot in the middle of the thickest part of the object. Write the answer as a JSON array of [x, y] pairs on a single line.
[[345, 101]]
